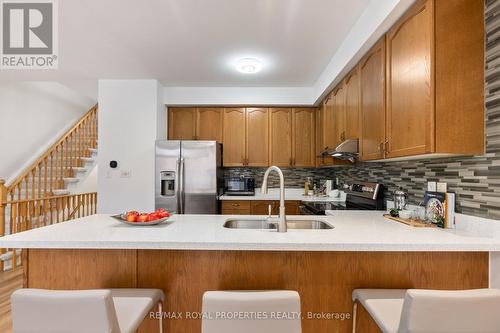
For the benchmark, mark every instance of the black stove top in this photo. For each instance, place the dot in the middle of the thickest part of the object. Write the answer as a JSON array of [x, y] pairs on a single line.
[[360, 196]]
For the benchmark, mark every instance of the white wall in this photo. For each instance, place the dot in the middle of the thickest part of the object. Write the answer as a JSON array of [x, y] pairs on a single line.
[[33, 115], [237, 96], [128, 110]]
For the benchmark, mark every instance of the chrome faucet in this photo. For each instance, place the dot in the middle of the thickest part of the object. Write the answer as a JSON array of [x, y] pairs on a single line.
[[281, 224]]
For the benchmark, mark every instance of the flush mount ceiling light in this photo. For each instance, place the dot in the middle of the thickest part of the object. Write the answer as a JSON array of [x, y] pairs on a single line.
[[248, 66]]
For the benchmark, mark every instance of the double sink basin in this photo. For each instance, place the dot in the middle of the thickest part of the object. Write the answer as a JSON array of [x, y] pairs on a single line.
[[263, 224]]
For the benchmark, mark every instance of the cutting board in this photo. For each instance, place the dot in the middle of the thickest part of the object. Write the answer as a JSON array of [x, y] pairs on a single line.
[[412, 223]]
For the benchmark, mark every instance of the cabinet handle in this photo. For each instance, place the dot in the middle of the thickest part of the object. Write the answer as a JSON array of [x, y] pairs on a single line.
[[386, 146], [291, 162], [235, 205]]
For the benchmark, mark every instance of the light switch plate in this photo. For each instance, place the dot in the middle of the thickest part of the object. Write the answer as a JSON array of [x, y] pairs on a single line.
[[431, 186], [441, 187], [125, 173]]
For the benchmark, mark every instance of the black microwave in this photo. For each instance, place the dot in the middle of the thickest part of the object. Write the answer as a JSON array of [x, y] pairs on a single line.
[[240, 186]]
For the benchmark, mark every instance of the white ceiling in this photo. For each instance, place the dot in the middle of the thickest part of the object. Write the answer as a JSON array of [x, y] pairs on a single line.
[[192, 43]]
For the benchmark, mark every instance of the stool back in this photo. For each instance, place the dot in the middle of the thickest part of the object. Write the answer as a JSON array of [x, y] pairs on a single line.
[[63, 311], [461, 311], [251, 311]]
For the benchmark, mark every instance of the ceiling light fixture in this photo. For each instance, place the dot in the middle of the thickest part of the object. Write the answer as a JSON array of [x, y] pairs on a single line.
[[248, 66]]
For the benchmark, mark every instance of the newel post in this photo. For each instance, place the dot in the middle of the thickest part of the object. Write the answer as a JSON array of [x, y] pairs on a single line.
[[3, 204]]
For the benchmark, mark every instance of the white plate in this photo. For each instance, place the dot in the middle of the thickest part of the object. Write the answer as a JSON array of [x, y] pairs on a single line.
[[120, 218]]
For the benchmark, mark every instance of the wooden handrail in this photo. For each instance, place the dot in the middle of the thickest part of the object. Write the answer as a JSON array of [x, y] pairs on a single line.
[[26, 214], [58, 160]]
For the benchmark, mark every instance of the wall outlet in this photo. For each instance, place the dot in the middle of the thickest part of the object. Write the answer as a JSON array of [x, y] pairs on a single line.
[[431, 186], [441, 187], [125, 173]]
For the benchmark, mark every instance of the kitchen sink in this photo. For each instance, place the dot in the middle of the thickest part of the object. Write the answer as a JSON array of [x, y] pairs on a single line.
[[263, 224]]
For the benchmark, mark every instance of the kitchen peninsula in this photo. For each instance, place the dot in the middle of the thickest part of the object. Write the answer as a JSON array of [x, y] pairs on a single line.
[[193, 253]]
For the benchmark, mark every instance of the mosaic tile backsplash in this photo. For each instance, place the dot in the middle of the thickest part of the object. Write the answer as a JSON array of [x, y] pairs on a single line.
[[475, 180]]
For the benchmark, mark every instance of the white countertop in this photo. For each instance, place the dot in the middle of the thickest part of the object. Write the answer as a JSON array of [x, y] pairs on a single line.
[[296, 194], [353, 231]]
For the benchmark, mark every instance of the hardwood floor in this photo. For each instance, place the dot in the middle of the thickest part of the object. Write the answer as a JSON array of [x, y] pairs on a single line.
[[9, 281]]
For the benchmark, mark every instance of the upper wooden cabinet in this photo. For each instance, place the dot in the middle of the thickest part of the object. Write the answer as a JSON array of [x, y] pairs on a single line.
[[372, 102], [303, 138], [410, 88], [257, 137], [181, 123], [281, 137], [209, 124], [352, 110], [339, 123], [435, 78], [195, 124], [234, 137]]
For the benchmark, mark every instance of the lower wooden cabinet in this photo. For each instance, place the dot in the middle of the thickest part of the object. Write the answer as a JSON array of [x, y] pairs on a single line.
[[258, 207], [234, 207]]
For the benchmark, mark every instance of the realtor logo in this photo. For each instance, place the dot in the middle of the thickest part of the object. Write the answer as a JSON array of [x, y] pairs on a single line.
[[29, 34]]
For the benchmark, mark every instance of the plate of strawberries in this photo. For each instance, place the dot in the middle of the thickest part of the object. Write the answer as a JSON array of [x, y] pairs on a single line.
[[139, 218]]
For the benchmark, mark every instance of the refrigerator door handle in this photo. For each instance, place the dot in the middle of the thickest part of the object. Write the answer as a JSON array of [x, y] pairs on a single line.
[[181, 185], [177, 185]]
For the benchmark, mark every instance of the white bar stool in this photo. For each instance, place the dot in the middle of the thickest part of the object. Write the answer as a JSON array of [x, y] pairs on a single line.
[[251, 311], [83, 311], [420, 310]]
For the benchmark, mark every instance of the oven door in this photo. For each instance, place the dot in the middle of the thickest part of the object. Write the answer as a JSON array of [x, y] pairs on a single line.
[[304, 210]]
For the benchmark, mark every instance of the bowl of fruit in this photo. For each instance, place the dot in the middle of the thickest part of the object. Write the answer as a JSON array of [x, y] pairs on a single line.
[[137, 218]]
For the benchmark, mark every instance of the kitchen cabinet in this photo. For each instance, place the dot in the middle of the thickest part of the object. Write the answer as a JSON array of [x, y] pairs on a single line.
[[257, 137], [236, 207], [281, 137], [372, 102], [209, 124], [338, 97], [352, 110], [234, 137], [181, 123], [325, 129], [303, 137], [410, 90], [195, 124], [258, 207], [435, 78]]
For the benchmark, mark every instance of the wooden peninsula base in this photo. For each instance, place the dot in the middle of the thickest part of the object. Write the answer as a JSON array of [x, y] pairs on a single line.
[[324, 280]]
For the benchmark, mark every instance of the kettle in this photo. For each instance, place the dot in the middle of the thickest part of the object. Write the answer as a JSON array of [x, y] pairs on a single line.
[[400, 197]]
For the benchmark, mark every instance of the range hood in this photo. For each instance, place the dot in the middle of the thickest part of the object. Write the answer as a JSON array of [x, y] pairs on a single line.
[[347, 150]]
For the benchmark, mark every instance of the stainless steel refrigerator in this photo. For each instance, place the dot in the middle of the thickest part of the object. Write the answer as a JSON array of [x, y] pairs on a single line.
[[188, 176]]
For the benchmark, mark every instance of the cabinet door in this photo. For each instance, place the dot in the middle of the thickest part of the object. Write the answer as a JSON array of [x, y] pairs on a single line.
[[181, 123], [236, 207], [262, 207], [352, 105], [372, 102], [292, 207], [209, 124], [328, 135], [281, 137], [233, 149], [410, 87], [303, 123], [338, 115], [319, 134], [257, 137]]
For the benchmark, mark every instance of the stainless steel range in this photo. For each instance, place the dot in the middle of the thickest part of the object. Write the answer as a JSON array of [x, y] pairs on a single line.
[[360, 196]]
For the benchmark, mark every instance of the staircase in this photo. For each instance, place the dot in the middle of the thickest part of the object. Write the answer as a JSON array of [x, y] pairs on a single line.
[[46, 191]]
